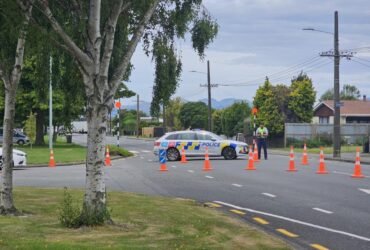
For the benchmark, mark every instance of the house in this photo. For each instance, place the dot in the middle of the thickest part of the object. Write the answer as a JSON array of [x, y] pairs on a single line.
[[356, 111]]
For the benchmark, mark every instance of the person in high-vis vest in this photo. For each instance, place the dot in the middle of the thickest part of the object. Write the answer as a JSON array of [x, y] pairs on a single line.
[[262, 134]]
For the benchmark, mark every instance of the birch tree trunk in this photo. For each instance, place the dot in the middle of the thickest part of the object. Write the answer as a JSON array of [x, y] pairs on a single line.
[[93, 62], [11, 81]]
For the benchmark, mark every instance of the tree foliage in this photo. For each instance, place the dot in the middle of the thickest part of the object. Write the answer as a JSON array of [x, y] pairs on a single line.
[[173, 113], [233, 118], [194, 115], [302, 98], [348, 92]]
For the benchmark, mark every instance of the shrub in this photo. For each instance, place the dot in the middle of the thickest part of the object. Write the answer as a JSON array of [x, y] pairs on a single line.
[[69, 212]]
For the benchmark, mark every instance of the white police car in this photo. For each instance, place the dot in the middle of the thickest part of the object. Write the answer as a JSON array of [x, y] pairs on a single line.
[[195, 144], [19, 158]]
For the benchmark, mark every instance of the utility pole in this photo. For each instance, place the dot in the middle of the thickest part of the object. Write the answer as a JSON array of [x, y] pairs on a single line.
[[209, 98], [51, 106], [137, 116], [337, 137], [337, 104]]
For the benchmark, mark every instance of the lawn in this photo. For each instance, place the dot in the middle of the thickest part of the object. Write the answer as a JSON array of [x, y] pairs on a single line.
[[140, 222], [327, 150], [63, 152]]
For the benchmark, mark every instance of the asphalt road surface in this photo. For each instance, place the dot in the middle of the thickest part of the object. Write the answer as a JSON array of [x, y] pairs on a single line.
[[311, 211]]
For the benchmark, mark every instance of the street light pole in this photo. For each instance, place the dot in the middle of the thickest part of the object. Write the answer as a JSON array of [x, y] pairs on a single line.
[[51, 105], [336, 132], [209, 98]]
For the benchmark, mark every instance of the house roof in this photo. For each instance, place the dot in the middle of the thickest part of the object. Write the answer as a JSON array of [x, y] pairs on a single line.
[[349, 108]]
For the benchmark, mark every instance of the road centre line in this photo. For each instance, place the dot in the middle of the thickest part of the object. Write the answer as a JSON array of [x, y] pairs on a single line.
[[322, 210], [237, 185], [209, 177], [287, 233], [319, 247], [295, 221], [269, 195]]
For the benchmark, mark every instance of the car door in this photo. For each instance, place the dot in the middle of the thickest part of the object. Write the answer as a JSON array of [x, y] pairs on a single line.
[[187, 141], [207, 140]]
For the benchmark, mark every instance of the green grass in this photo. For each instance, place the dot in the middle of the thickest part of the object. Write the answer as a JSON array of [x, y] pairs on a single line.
[[63, 152], [327, 150], [141, 222]]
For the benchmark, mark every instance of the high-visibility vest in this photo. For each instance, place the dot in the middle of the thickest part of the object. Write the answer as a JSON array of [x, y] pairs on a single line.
[[262, 132]]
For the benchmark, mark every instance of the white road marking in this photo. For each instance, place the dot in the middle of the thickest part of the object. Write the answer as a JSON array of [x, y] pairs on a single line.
[[322, 210], [146, 151], [237, 185], [269, 195], [344, 173], [295, 221], [191, 171], [365, 190], [174, 166], [209, 177], [141, 157], [150, 160], [134, 152]]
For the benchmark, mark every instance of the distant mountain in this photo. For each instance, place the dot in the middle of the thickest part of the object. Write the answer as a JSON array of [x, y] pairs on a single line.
[[143, 106], [224, 103]]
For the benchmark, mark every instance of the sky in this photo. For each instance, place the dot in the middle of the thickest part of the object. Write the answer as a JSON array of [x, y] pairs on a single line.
[[259, 38]]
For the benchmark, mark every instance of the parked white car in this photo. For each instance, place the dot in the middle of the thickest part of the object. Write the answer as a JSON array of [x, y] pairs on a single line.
[[19, 158], [195, 143]]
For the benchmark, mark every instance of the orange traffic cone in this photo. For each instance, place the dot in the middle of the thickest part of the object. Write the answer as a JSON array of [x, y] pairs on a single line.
[[107, 157], [304, 157], [357, 173], [255, 154], [163, 167], [183, 157], [321, 169], [291, 161], [250, 165], [207, 163], [51, 161]]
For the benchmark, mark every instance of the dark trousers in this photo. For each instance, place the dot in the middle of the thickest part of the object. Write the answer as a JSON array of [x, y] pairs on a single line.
[[262, 143]]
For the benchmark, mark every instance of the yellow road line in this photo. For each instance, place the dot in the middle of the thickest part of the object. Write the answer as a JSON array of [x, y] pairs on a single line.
[[237, 211], [260, 220], [319, 247], [287, 233], [210, 204]]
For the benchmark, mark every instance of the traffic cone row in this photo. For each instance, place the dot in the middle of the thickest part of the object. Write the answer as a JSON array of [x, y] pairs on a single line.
[[321, 169], [250, 165], [291, 167], [51, 161], [207, 163], [183, 157], [107, 161], [357, 173], [304, 157]]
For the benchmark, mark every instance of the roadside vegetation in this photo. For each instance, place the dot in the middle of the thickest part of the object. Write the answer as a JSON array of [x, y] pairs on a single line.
[[63, 152], [140, 222], [326, 149]]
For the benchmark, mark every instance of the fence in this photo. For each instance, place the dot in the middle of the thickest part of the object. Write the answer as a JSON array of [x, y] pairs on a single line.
[[354, 133]]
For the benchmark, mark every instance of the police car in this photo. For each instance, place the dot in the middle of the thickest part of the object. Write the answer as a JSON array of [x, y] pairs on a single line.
[[195, 144]]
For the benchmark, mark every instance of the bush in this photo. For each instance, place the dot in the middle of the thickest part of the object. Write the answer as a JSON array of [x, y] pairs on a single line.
[[114, 150], [69, 212]]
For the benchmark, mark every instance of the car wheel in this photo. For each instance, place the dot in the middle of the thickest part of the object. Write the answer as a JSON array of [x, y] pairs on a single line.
[[20, 142], [229, 153], [173, 154]]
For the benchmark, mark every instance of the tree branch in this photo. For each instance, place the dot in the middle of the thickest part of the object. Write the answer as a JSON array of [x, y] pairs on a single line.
[[74, 50], [110, 30], [121, 68]]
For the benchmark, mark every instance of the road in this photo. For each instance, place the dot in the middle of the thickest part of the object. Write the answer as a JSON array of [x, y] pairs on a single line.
[[306, 209]]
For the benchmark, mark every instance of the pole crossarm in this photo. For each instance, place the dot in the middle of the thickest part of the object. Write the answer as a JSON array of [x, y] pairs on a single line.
[[346, 54]]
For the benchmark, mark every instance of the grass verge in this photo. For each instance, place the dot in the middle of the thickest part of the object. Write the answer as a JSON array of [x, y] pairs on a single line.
[[327, 150], [63, 153], [141, 222]]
